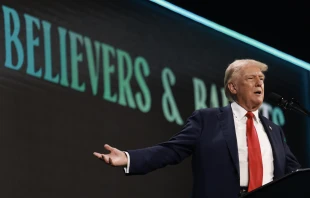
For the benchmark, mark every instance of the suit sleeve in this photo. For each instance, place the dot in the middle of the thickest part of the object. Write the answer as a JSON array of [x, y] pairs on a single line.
[[171, 152], [291, 163]]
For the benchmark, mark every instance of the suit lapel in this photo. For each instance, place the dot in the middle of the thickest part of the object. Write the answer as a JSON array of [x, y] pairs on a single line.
[[227, 126], [272, 138]]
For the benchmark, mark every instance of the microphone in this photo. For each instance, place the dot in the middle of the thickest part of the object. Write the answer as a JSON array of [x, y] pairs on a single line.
[[292, 104]]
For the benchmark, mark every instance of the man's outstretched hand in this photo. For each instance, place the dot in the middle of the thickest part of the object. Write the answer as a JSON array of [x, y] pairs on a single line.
[[114, 158]]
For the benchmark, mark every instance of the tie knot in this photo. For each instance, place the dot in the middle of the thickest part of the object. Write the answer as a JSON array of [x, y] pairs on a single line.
[[249, 115]]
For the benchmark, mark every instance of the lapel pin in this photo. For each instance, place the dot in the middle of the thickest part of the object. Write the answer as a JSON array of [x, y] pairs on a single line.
[[270, 128]]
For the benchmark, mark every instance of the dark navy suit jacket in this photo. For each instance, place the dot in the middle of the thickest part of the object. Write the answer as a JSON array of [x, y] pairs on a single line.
[[209, 136]]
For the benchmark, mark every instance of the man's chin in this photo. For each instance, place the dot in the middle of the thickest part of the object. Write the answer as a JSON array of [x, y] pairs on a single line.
[[259, 99], [258, 103]]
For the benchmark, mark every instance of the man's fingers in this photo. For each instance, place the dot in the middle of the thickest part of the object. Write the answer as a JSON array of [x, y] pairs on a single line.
[[108, 158], [103, 157], [108, 147], [97, 154], [110, 161]]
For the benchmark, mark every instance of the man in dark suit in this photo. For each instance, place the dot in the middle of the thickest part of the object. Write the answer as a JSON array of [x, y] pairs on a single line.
[[233, 148]]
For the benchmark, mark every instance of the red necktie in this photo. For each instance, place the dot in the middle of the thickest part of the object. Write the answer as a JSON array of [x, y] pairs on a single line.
[[254, 155]]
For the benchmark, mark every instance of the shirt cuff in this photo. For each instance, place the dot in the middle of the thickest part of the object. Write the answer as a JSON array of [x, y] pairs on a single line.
[[126, 169]]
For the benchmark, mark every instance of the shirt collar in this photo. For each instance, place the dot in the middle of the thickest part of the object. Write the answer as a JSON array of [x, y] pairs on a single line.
[[239, 112]]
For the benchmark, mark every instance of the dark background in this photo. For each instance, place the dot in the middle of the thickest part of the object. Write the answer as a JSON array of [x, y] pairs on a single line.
[[48, 132], [283, 25]]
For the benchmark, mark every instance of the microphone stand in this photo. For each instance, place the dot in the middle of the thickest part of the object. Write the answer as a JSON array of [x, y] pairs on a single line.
[[293, 104]]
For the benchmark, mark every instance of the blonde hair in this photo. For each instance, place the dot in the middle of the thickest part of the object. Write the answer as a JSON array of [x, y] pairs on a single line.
[[234, 68]]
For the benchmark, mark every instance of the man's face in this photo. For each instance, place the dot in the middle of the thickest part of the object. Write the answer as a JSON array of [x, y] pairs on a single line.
[[248, 87]]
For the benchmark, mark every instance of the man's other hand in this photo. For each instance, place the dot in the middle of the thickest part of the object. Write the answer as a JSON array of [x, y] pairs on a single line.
[[114, 158]]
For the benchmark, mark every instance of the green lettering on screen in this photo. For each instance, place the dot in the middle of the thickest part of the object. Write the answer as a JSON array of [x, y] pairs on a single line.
[[141, 64], [125, 92], [48, 54], [200, 94], [108, 69], [278, 116], [76, 57], [12, 38], [168, 80], [93, 65], [224, 98], [63, 56], [31, 43], [214, 100]]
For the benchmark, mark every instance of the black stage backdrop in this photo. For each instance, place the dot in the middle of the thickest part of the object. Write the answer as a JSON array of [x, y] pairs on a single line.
[[74, 76]]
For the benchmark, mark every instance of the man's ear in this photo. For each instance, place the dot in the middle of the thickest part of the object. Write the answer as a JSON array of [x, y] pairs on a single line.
[[232, 88]]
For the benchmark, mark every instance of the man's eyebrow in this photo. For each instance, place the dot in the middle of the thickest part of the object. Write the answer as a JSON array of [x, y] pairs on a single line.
[[259, 75]]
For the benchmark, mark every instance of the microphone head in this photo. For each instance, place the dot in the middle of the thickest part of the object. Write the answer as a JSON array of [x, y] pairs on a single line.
[[287, 104], [275, 98]]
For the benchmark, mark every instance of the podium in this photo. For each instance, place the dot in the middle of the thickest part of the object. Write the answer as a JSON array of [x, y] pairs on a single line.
[[295, 184]]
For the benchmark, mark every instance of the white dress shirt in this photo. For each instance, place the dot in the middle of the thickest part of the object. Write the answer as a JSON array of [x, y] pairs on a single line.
[[126, 169], [266, 150], [240, 127]]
